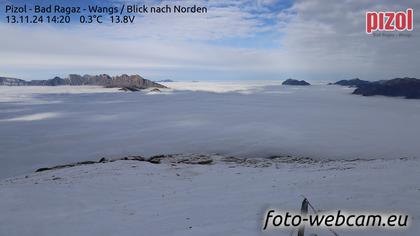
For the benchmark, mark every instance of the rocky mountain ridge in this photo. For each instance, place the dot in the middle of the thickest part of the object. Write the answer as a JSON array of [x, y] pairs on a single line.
[[132, 81], [399, 87]]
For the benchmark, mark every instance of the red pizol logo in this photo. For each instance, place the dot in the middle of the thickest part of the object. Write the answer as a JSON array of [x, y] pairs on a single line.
[[389, 21]]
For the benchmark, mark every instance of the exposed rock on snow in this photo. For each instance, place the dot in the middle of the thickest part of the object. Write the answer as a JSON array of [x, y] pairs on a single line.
[[66, 166], [206, 159], [398, 87], [102, 160], [191, 159]]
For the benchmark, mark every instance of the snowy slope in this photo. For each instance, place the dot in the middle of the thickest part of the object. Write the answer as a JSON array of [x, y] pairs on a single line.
[[140, 198]]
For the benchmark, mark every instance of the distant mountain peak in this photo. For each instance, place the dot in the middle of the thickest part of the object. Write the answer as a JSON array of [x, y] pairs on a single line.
[[295, 82]]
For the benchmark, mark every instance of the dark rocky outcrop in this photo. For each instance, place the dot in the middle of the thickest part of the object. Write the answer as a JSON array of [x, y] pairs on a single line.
[[102, 160], [189, 159], [136, 82], [295, 82], [157, 159], [352, 82], [133, 158], [66, 166], [192, 159], [399, 87], [131, 89]]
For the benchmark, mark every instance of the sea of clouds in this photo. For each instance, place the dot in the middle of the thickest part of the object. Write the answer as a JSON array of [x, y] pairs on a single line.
[[44, 126]]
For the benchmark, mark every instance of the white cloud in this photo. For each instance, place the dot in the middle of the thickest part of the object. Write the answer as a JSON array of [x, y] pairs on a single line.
[[328, 36], [318, 39]]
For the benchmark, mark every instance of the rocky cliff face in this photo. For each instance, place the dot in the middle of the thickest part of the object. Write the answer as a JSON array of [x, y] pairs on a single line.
[[134, 81]]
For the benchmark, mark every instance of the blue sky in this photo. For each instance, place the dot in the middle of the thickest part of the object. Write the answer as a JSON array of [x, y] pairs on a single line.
[[249, 39]]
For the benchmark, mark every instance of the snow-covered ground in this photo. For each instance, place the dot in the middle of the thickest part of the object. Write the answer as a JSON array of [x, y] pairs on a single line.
[[45, 126], [140, 198]]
